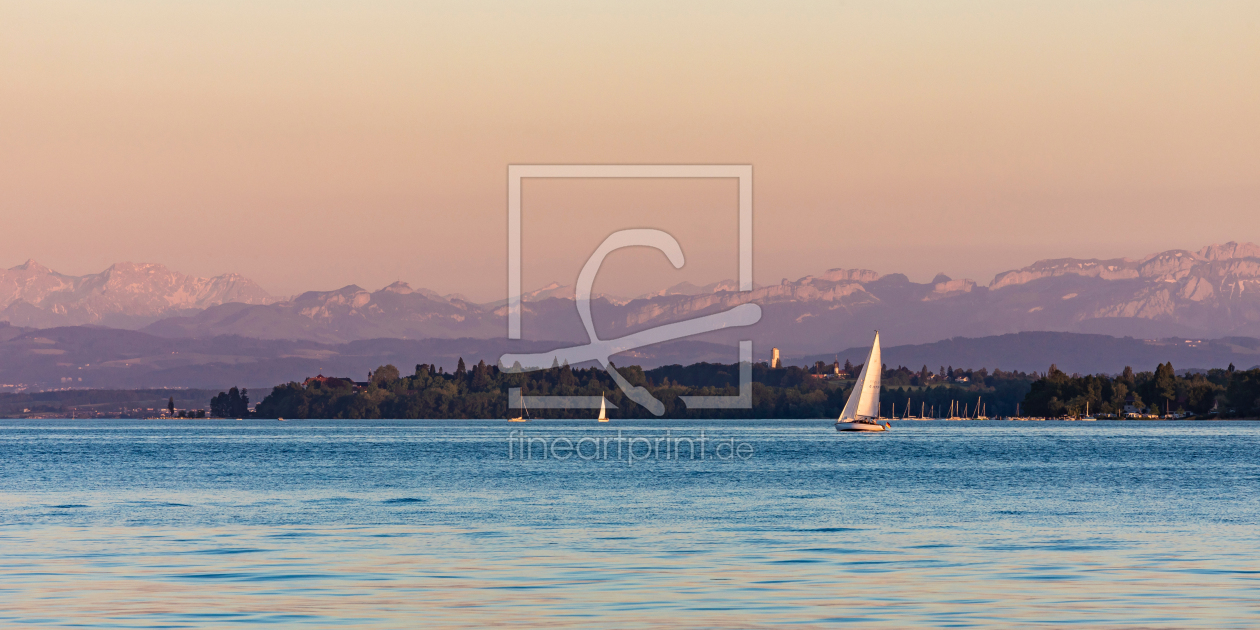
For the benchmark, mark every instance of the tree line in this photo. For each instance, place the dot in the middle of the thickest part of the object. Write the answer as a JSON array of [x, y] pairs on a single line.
[[790, 392], [482, 392], [1227, 393]]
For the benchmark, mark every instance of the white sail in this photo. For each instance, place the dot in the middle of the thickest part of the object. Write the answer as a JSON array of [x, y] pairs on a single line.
[[603, 415], [864, 400]]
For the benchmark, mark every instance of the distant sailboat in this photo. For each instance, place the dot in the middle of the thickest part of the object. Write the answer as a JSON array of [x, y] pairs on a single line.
[[603, 413], [524, 417], [861, 412]]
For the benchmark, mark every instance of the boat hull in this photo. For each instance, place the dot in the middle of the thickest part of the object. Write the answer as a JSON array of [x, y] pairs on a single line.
[[858, 426]]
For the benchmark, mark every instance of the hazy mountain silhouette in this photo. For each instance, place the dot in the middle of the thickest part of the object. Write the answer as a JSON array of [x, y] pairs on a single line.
[[127, 295], [1212, 293], [1071, 352]]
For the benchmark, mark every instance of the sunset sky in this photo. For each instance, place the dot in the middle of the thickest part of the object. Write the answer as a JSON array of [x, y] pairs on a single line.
[[314, 144]]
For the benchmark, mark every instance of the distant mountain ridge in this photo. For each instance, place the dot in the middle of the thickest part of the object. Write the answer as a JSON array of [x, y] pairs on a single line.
[[1211, 293], [1071, 352], [127, 295], [346, 314], [1237, 260]]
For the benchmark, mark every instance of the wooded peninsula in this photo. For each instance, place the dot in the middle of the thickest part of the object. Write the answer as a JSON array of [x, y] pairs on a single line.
[[790, 392]]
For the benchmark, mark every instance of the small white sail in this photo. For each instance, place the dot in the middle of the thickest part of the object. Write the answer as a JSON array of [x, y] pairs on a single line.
[[603, 413], [525, 417], [863, 402]]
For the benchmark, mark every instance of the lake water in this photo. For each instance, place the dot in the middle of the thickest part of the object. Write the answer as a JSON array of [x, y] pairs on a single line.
[[431, 523]]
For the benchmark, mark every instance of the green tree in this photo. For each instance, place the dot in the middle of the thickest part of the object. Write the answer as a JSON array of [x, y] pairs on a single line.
[[481, 377], [233, 403], [219, 406], [1242, 396], [1164, 386], [385, 375]]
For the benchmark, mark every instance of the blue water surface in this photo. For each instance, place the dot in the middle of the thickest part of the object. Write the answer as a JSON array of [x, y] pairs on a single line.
[[391, 524]]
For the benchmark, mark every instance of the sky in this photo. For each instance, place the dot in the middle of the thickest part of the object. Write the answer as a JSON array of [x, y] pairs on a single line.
[[313, 144]]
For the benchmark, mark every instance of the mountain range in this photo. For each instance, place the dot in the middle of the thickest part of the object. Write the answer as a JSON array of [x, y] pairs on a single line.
[[127, 295], [1212, 293]]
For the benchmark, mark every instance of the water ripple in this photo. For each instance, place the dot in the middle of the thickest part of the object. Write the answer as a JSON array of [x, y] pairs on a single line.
[[386, 524]]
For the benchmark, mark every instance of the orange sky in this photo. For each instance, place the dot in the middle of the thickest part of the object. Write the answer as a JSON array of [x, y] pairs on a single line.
[[311, 145]]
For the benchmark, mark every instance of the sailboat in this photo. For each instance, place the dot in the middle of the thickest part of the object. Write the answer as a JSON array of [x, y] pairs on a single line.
[[603, 413], [524, 417], [1088, 418], [861, 412]]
